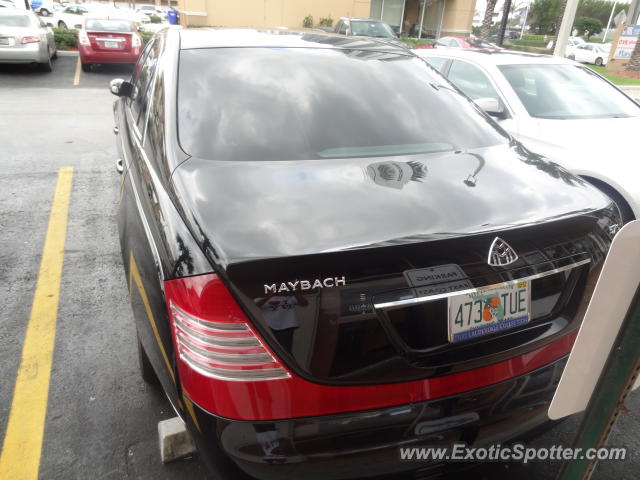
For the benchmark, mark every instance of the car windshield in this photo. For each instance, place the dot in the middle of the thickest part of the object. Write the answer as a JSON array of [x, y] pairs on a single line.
[[18, 20], [271, 104], [366, 28], [109, 25], [567, 92]]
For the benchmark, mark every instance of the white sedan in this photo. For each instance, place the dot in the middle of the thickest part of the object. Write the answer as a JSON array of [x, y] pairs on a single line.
[[597, 54], [557, 108]]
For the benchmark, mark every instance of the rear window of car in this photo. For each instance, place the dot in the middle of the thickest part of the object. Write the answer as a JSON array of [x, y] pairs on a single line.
[[15, 20], [109, 25], [302, 103]]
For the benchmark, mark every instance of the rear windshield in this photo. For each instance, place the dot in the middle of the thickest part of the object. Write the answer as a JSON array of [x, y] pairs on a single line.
[[19, 20], [299, 103], [109, 25]]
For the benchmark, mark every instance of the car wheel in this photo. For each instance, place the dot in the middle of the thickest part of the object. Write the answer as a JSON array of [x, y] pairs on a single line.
[[44, 12], [55, 55], [86, 67], [61, 24], [147, 372], [599, 61], [47, 66], [572, 57]]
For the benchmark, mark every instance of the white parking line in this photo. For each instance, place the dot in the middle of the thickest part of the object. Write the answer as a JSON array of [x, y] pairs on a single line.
[[76, 78]]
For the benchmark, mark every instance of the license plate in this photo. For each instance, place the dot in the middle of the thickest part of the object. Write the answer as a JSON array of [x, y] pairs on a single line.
[[110, 44], [488, 311]]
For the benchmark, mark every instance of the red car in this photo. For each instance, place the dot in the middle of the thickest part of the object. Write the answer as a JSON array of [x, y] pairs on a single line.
[[108, 41]]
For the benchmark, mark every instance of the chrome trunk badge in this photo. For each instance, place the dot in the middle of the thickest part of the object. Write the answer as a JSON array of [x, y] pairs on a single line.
[[501, 253]]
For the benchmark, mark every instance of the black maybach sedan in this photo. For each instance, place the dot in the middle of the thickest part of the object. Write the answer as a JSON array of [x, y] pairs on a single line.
[[331, 253]]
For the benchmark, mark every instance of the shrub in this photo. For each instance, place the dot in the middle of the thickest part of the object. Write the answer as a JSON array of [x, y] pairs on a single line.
[[326, 21], [415, 42], [307, 22], [155, 19], [588, 26], [65, 39], [146, 36]]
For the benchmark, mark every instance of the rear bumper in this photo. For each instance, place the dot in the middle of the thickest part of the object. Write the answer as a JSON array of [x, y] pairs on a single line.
[[89, 55], [29, 53], [363, 444]]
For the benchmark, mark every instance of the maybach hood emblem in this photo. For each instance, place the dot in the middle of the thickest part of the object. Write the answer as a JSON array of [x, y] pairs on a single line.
[[302, 285]]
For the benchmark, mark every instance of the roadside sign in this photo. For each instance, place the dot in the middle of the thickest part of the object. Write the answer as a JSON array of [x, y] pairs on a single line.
[[627, 42], [607, 309]]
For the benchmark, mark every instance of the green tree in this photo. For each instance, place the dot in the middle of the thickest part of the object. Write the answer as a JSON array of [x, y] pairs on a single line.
[[588, 26], [600, 9], [543, 14]]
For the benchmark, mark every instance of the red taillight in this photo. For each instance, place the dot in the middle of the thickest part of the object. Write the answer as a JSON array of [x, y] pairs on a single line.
[[83, 38], [227, 369], [29, 39], [212, 335]]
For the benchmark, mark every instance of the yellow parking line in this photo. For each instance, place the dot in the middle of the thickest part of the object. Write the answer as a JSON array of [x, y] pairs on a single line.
[[20, 457], [76, 79]]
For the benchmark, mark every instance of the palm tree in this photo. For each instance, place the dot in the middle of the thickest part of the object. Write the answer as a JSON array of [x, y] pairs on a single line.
[[634, 61], [487, 22]]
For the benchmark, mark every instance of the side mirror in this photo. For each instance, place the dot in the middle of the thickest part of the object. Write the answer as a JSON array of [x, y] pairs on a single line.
[[120, 88], [491, 106]]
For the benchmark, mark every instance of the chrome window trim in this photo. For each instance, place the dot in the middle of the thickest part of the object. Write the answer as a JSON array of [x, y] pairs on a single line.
[[440, 296]]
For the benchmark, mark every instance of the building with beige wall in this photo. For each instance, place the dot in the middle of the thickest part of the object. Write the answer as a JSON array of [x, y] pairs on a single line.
[[437, 17]]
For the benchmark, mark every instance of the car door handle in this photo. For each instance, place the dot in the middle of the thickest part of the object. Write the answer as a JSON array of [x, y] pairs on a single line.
[[120, 166], [116, 130]]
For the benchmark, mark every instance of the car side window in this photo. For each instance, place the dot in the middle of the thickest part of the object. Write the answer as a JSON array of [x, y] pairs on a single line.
[[471, 80], [141, 80], [343, 29]]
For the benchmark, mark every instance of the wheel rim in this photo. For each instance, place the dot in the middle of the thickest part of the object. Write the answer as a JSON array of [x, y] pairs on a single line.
[[599, 61]]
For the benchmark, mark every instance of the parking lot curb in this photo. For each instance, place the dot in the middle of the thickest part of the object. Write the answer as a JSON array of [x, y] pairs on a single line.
[[68, 53]]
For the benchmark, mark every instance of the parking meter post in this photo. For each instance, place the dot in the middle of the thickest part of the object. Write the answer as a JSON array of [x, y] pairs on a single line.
[[616, 381]]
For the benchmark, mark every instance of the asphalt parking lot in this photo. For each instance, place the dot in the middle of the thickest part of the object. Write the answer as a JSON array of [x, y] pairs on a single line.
[[101, 419]]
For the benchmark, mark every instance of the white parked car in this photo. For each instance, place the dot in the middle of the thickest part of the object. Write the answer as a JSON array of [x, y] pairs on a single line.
[[71, 17], [558, 108], [595, 53], [572, 44], [74, 16]]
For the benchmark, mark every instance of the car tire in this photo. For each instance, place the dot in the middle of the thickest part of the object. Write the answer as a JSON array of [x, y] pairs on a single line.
[[55, 55], [571, 57], [61, 24], [47, 66], [44, 12], [147, 372], [599, 61], [86, 67]]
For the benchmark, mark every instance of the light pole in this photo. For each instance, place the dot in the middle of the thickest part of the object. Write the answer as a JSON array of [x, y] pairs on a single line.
[[524, 24], [606, 32]]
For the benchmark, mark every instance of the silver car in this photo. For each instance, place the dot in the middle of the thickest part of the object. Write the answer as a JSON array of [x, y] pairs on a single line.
[[24, 38]]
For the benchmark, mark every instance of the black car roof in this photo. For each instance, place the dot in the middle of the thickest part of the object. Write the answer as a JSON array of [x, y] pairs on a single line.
[[221, 38]]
